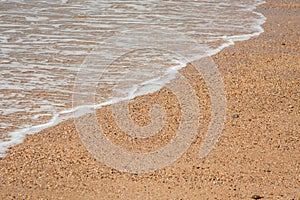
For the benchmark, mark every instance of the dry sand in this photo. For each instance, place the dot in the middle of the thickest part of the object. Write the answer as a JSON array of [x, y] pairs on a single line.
[[257, 155]]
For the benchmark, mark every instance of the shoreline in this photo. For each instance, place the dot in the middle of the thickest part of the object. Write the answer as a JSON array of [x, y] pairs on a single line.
[[16, 136], [261, 130]]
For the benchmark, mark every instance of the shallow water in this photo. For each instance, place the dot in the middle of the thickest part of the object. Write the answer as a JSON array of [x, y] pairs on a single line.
[[135, 46]]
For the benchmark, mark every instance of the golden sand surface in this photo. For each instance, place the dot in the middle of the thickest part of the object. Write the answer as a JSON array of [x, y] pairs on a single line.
[[257, 155]]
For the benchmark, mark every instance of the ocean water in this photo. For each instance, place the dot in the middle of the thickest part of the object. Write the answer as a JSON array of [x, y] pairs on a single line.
[[136, 47]]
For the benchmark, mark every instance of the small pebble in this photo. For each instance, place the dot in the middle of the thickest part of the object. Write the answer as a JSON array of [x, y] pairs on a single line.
[[235, 116], [256, 197]]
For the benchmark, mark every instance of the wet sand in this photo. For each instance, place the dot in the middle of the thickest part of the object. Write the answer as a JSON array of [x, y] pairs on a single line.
[[257, 155]]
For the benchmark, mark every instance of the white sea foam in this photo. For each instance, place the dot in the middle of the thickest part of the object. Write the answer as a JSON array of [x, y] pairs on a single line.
[[43, 43]]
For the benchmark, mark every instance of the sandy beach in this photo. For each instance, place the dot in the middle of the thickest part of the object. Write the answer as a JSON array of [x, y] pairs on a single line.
[[257, 155]]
